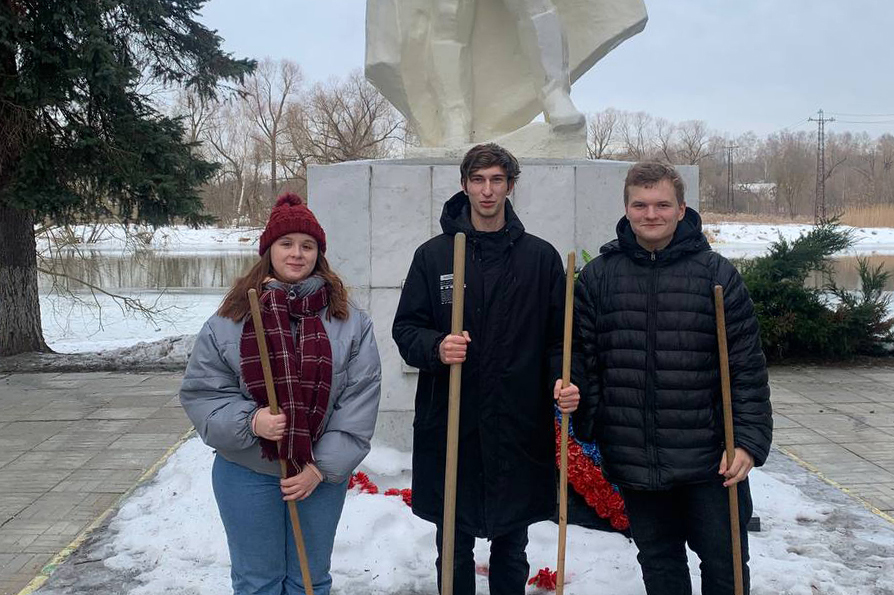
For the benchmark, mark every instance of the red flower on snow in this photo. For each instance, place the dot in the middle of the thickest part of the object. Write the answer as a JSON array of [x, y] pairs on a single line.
[[362, 481], [364, 484], [544, 579], [406, 494]]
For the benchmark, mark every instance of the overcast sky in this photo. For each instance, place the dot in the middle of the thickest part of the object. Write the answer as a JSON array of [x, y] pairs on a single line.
[[759, 65]]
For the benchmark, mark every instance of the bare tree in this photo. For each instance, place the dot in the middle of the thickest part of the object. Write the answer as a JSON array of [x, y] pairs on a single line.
[[693, 135], [342, 121], [195, 111], [664, 139], [269, 93], [600, 133], [229, 136], [637, 135], [792, 165]]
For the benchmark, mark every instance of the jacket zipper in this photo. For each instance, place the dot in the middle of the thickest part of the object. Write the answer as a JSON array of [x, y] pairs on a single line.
[[650, 406], [481, 324]]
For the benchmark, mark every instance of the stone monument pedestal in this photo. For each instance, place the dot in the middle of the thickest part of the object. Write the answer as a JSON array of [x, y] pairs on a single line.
[[376, 213]]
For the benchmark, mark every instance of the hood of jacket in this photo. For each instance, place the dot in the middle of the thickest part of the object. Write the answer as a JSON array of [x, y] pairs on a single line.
[[456, 217], [688, 238]]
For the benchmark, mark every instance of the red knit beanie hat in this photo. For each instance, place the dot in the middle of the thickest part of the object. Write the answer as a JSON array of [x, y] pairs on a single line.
[[290, 215]]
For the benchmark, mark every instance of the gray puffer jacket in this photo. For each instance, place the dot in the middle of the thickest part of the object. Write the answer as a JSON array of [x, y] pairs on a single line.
[[216, 400]]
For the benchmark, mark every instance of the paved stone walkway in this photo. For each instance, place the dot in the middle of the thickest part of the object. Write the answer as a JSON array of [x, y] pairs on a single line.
[[72, 444], [840, 422]]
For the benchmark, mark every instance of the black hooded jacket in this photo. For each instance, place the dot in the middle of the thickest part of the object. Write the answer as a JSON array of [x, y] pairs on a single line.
[[645, 328], [513, 313]]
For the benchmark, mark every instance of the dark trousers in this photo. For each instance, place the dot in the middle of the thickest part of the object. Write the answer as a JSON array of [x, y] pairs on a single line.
[[509, 568], [663, 522]]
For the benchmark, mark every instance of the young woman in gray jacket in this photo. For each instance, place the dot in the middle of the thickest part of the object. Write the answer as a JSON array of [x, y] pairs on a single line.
[[327, 376]]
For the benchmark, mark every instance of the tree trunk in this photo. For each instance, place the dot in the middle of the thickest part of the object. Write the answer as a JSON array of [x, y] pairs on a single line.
[[273, 164], [20, 329]]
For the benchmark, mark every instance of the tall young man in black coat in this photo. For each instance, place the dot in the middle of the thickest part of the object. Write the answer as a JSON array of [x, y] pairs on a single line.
[[651, 396], [511, 352]]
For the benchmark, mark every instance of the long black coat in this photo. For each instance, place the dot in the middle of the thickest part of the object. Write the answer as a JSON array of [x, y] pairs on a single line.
[[513, 313], [645, 327]]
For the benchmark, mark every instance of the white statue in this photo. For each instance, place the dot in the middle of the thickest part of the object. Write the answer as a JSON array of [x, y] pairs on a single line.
[[465, 71]]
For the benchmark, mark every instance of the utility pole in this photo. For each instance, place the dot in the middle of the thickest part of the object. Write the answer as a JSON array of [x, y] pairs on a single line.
[[819, 204], [730, 190]]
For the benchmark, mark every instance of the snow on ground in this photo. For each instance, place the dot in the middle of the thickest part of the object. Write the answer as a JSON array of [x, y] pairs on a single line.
[[175, 238], [77, 327], [169, 537], [747, 240]]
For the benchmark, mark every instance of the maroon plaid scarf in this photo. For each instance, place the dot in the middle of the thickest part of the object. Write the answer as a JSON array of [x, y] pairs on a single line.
[[302, 374]]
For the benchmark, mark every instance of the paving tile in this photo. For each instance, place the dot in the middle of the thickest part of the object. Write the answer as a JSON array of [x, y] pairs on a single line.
[[840, 428], [800, 435], [63, 412], [880, 396], [174, 402], [7, 456], [104, 426], [98, 481], [119, 381], [140, 401], [854, 473], [807, 406], [30, 481], [826, 396], [12, 504], [122, 413], [19, 571], [172, 425], [824, 454], [65, 509], [880, 495], [870, 408], [144, 441], [878, 453], [779, 396], [169, 413], [15, 411], [125, 459], [15, 563], [77, 440], [37, 461], [20, 443], [44, 381], [781, 421], [883, 375]]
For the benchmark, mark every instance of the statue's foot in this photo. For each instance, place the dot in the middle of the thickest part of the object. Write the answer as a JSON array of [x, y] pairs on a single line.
[[560, 112]]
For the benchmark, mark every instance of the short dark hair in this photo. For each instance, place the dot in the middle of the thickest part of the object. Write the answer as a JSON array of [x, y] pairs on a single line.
[[488, 155], [646, 174]]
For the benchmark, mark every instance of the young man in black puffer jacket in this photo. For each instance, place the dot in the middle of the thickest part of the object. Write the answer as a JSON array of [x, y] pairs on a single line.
[[650, 383]]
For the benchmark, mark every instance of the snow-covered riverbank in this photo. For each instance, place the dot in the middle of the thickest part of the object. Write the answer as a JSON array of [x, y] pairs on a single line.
[[71, 327]]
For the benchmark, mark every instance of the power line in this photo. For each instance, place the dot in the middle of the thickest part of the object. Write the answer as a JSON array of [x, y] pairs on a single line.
[[862, 115], [795, 125], [866, 121]]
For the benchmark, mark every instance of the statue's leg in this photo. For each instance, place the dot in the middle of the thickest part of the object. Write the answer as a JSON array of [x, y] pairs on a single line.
[[542, 37], [451, 32]]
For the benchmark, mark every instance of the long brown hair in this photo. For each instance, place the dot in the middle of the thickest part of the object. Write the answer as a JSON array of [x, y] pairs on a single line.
[[235, 303]]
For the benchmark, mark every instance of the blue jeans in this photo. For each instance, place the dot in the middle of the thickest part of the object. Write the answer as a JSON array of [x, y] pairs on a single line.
[[263, 557]]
